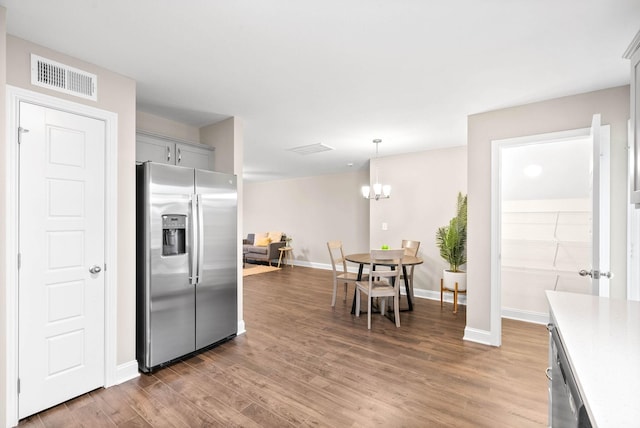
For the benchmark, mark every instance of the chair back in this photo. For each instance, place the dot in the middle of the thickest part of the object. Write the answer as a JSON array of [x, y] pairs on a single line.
[[338, 263], [410, 247], [382, 256]]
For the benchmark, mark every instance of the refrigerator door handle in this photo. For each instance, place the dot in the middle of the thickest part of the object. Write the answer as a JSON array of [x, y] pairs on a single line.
[[200, 237], [193, 274]]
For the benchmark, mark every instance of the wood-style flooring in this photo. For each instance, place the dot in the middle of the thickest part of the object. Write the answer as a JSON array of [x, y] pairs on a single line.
[[302, 363]]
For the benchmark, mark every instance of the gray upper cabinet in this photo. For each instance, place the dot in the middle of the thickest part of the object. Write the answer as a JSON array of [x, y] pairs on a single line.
[[633, 54], [159, 149]]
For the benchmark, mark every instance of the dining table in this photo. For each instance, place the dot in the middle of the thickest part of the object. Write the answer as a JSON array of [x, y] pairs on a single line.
[[363, 259]]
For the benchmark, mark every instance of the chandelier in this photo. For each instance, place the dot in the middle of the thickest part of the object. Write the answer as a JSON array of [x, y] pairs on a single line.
[[380, 191]]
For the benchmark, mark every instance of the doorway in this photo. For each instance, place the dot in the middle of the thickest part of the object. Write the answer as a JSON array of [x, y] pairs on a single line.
[[108, 370], [546, 224], [599, 220]]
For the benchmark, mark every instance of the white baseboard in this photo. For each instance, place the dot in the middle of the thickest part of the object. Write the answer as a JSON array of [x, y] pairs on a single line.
[[324, 266], [241, 328], [527, 316], [435, 295], [127, 371], [483, 337]]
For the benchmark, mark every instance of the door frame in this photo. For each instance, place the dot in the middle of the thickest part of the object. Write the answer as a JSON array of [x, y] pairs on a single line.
[[496, 213], [16, 95]]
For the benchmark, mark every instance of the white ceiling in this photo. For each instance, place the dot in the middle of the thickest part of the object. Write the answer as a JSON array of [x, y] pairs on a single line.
[[339, 72]]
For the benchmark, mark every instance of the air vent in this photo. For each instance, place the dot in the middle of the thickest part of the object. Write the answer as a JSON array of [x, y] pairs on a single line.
[[311, 148], [63, 78]]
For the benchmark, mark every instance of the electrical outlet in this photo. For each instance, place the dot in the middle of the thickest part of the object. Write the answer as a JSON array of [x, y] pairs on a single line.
[[384, 226]]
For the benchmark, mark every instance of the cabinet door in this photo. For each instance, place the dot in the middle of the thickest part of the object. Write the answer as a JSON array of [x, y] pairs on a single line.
[[633, 54], [635, 124], [194, 157], [154, 150]]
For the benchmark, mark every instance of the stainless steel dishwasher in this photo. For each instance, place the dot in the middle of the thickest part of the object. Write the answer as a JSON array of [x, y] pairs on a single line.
[[567, 406]]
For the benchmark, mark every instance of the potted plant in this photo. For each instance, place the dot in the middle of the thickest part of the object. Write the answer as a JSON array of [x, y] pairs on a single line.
[[452, 242]]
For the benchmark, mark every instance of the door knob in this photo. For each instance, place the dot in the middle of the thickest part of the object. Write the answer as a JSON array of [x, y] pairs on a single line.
[[595, 274], [95, 269]]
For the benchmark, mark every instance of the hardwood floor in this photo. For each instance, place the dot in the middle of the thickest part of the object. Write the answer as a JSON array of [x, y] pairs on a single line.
[[302, 364]]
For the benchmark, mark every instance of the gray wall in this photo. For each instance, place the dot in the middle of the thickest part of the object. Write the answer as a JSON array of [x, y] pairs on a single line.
[[313, 210], [555, 115], [424, 192], [166, 127]]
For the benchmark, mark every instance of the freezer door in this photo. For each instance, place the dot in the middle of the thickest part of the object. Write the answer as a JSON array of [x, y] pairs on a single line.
[[216, 291], [168, 302]]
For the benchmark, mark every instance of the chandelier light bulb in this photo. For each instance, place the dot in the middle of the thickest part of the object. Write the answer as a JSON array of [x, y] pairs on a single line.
[[380, 191]]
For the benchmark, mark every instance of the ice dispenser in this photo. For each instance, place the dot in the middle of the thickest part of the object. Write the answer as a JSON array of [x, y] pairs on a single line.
[[173, 234]]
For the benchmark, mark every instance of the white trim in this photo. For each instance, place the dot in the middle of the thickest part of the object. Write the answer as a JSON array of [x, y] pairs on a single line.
[[526, 316], [241, 328], [604, 208], [324, 266], [483, 337], [111, 250], [495, 319], [127, 371], [435, 295], [633, 230], [14, 97], [633, 253], [11, 263], [495, 331]]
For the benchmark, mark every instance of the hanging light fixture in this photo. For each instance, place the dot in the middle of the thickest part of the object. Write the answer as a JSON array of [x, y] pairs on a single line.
[[380, 191]]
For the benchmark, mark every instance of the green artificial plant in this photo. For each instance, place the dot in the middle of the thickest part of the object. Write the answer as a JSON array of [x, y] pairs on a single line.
[[452, 239]]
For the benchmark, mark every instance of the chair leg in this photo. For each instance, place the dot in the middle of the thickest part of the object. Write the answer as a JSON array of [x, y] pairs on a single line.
[[396, 310], [441, 292], [345, 292], [369, 312], [455, 299], [357, 302], [383, 305], [335, 290], [411, 286]]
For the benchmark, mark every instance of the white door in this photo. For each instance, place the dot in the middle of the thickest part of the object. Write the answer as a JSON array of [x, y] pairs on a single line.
[[61, 245], [600, 241]]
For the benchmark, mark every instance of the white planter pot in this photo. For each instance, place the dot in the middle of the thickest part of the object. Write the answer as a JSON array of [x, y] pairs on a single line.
[[449, 280]]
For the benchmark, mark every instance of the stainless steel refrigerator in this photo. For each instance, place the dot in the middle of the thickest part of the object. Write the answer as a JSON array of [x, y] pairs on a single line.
[[186, 262]]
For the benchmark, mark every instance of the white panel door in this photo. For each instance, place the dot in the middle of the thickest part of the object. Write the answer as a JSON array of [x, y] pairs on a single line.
[[600, 239], [61, 239]]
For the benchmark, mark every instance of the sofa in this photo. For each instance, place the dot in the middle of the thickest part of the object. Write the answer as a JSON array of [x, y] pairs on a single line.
[[263, 247]]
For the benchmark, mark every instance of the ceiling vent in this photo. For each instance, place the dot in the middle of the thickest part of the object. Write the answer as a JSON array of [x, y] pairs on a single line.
[[63, 78], [311, 148]]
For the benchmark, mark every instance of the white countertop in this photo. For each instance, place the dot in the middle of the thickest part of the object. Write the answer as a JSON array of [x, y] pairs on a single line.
[[602, 341]]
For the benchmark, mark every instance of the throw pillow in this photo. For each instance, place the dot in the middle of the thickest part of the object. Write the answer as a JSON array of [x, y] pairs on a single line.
[[275, 236], [262, 242], [259, 236]]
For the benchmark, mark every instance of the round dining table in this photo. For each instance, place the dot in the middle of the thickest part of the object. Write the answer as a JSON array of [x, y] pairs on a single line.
[[365, 259]]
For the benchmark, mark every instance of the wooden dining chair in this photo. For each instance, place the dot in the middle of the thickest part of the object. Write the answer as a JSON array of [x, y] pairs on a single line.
[[410, 249], [385, 283], [339, 265]]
